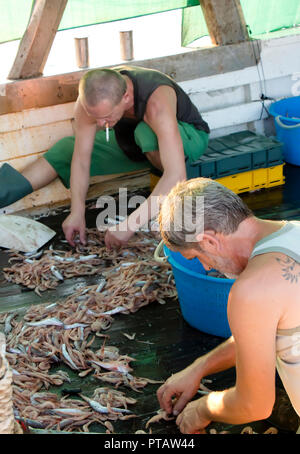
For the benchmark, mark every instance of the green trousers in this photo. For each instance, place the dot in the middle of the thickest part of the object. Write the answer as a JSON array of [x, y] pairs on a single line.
[[108, 158]]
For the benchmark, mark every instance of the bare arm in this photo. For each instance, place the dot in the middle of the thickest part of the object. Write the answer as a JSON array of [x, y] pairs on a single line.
[[253, 318], [185, 383], [160, 115], [85, 130]]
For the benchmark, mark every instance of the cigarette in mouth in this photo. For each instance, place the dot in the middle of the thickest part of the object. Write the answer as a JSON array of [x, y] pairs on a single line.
[[107, 132]]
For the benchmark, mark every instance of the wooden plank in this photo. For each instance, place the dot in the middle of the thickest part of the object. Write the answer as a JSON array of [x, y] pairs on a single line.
[[38, 38], [235, 115], [33, 140], [20, 163], [225, 21], [63, 88], [39, 92], [36, 117], [55, 194]]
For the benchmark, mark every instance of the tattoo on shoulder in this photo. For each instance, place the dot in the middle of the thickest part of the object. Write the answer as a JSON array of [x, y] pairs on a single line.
[[290, 269]]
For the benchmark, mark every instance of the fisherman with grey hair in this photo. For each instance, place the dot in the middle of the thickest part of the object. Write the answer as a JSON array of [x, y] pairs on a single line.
[[126, 119], [263, 305]]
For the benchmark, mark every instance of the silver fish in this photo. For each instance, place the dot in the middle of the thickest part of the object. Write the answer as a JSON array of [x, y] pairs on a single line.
[[75, 325], [68, 411], [67, 356], [100, 408], [101, 285], [32, 423], [7, 326], [64, 259], [116, 310], [46, 322], [83, 258], [56, 273], [34, 254], [51, 306], [115, 366]]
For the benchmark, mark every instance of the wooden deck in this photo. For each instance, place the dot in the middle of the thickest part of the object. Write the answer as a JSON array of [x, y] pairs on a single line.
[[164, 342]]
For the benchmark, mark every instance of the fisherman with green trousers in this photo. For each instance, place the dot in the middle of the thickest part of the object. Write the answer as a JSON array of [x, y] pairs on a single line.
[[126, 119]]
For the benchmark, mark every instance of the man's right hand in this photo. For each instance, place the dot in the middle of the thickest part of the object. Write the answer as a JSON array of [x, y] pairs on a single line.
[[183, 385], [74, 224]]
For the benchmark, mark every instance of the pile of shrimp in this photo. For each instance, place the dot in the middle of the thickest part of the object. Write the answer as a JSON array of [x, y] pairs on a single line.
[[64, 332]]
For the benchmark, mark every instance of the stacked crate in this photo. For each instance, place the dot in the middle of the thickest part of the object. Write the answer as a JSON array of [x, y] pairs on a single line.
[[242, 161]]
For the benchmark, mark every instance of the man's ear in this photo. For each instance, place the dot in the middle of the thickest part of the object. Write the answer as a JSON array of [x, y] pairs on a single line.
[[126, 96], [208, 241]]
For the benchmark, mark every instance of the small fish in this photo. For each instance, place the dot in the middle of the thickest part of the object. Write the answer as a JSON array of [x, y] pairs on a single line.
[[68, 411], [32, 423], [83, 258], [127, 253], [51, 306], [129, 336], [64, 259], [100, 408], [7, 326], [67, 356], [101, 285], [113, 365], [46, 322], [34, 254], [56, 273], [75, 325], [140, 283], [116, 310]]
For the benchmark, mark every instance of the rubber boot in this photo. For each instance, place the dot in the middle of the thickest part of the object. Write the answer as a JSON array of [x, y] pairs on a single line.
[[13, 186]]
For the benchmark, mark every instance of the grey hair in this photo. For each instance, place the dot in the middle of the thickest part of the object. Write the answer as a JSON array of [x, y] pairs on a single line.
[[99, 84], [197, 205]]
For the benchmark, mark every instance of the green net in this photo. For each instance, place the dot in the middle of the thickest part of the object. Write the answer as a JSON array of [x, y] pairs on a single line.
[[87, 12], [265, 16], [262, 16], [193, 25], [15, 14]]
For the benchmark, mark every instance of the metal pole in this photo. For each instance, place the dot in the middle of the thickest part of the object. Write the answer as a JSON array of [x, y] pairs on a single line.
[[126, 45], [82, 52]]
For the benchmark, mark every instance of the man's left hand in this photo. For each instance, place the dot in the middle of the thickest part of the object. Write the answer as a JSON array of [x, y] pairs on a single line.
[[193, 419], [117, 236]]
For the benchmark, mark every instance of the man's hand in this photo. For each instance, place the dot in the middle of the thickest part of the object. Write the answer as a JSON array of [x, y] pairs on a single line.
[[117, 236], [194, 418], [184, 385], [72, 225]]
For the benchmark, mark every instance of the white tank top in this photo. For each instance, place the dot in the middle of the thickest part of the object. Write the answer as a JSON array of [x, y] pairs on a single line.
[[287, 241]]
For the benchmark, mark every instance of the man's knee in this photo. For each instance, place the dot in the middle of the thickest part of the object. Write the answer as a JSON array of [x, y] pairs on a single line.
[[145, 137], [62, 151]]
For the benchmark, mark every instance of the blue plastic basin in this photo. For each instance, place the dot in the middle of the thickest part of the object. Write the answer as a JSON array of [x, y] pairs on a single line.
[[203, 299], [286, 113]]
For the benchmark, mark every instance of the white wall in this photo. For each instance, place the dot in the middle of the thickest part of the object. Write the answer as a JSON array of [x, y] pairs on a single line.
[[230, 102]]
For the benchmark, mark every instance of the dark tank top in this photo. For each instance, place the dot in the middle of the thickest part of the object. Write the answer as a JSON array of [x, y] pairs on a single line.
[[145, 82]]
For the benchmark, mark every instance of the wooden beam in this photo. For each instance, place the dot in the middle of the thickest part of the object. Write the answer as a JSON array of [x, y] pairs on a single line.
[[16, 96], [38, 38], [225, 21]]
